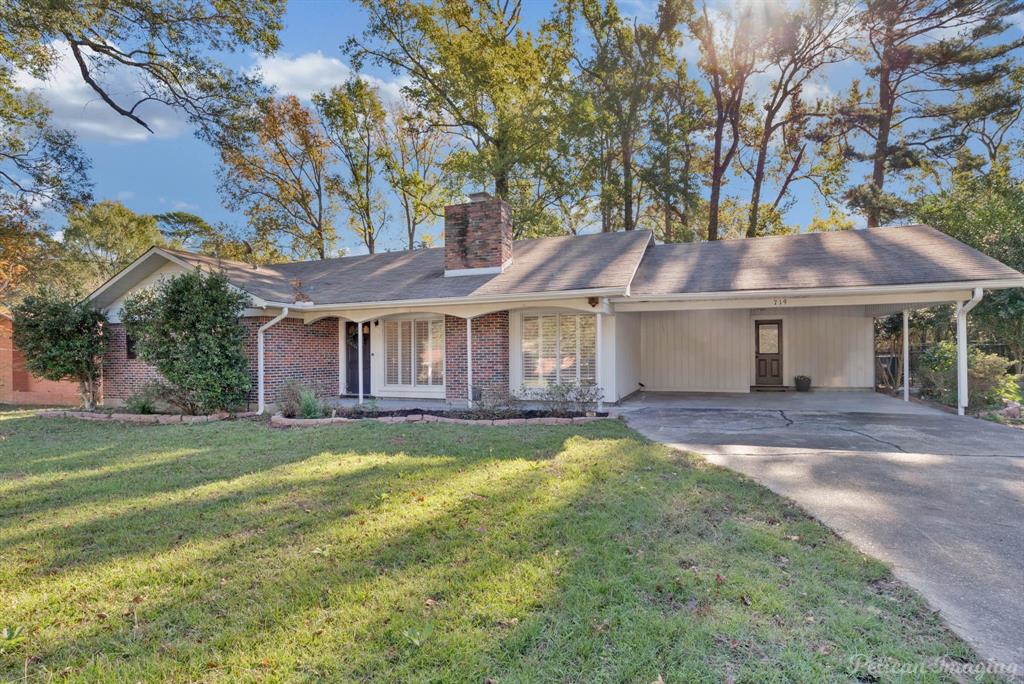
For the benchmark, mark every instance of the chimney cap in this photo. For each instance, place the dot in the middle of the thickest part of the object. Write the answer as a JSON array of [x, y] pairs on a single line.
[[479, 196]]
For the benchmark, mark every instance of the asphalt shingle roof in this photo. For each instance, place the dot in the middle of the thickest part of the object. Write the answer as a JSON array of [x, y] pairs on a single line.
[[902, 255], [559, 264]]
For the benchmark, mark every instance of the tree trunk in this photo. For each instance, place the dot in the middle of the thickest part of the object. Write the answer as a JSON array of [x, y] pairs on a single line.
[[758, 182], [627, 183], [885, 106], [716, 180], [87, 388]]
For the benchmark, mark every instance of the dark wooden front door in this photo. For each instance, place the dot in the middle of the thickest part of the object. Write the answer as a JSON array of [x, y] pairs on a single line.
[[768, 352], [352, 357]]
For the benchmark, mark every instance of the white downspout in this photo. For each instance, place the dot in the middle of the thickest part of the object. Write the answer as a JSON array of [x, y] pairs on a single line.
[[906, 355], [962, 309], [261, 401], [469, 362]]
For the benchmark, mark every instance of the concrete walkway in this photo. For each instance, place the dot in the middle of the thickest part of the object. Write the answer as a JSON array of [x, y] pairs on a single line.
[[938, 497]]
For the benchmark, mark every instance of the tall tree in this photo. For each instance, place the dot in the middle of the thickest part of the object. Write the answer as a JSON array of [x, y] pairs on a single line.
[[413, 151], [797, 44], [222, 241], [276, 171], [730, 55], [627, 63], [918, 53], [473, 64], [674, 164], [354, 119], [102, 239], [168, 46]]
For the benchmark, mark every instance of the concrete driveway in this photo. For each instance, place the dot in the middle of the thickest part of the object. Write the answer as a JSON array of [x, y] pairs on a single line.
[[938, 497]]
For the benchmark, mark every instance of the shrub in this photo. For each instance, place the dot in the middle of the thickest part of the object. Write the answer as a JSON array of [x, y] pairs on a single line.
[[145, 402], [309, 404], [289, 399], [988, 381], [568, 398], [62, 338], [494, 404], [188, 327]]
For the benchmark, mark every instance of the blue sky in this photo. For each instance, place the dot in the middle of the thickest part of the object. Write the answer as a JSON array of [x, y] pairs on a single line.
[[172, 170]]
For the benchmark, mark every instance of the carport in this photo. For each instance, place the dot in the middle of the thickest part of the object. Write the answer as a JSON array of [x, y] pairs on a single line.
[[749, 316]]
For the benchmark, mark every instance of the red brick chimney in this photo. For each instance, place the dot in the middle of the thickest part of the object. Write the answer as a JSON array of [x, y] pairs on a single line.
[[477, 236]]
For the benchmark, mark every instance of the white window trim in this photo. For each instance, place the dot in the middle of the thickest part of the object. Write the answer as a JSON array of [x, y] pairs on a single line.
[[412, 390], [517, 383]]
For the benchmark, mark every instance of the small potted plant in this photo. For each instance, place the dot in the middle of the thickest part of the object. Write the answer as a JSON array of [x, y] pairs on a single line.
[[803, 383]]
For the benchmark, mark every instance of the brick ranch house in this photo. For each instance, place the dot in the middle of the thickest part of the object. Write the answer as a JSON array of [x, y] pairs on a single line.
[[616, 309]]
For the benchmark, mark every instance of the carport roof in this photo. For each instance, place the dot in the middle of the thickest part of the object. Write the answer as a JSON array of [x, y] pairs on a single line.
[[904, 255]]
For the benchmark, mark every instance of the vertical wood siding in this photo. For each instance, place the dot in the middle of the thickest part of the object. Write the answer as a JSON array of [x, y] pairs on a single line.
[[712, 351], [696, 351]]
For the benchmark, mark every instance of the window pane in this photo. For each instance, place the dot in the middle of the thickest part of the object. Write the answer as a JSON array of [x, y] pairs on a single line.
[[588, 349], [548, 350], [405, 352], [531, 343], [422, 355], [437, 352], [768, 338], [568, 339], [391, 352]]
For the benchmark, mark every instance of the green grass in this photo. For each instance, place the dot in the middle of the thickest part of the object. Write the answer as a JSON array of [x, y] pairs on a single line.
[[231, 551]]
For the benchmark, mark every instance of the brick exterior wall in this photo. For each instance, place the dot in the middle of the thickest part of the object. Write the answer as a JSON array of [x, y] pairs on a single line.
[[490, 354], [294, 351], [123, 377], [477, 235], [307, 353]]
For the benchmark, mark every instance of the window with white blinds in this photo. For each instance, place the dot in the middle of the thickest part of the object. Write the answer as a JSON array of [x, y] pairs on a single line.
[[414, 352], [559, 348]]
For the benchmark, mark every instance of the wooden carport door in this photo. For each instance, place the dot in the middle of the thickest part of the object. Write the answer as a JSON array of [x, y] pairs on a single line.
[[768, 352]]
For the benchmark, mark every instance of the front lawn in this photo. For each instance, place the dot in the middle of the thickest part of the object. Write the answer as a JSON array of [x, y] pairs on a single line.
[[232, 551]]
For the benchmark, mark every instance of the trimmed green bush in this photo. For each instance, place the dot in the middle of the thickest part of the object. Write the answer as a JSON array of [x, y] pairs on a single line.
[[62, 338], [188, 327]]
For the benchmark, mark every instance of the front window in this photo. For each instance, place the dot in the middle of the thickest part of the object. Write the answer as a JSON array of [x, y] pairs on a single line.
[[559, 348], [414, 352]]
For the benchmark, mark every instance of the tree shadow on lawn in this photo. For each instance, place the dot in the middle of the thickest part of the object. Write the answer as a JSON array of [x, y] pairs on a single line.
[[445, 556]]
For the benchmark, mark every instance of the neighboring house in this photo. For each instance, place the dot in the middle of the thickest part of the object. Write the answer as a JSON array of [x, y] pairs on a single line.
[[18, 386], [615, 309]]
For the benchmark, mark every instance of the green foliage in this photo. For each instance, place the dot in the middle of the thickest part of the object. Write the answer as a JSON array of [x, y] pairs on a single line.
[[986, 211], [567, 398], [310, 406], [295, 400], [62, 338], [188, 327], [103, 238], [988, 380], [145, 402]]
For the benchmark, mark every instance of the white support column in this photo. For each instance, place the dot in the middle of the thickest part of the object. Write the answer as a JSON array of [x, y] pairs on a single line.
[[469, 361], [341, 356], [962, 309], [598, 350], [359, 370], [906, 355]]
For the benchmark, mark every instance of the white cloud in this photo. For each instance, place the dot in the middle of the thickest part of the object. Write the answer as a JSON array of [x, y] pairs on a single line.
[[313, 72], [125, 195], [77, 107]]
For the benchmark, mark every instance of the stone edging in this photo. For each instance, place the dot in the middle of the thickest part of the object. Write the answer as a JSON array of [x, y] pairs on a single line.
[[144, 419], [277, 420]]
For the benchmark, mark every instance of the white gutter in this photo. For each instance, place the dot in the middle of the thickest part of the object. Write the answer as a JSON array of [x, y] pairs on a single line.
[[811, 291], [962, 309], [341, 307], [261, 403]]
